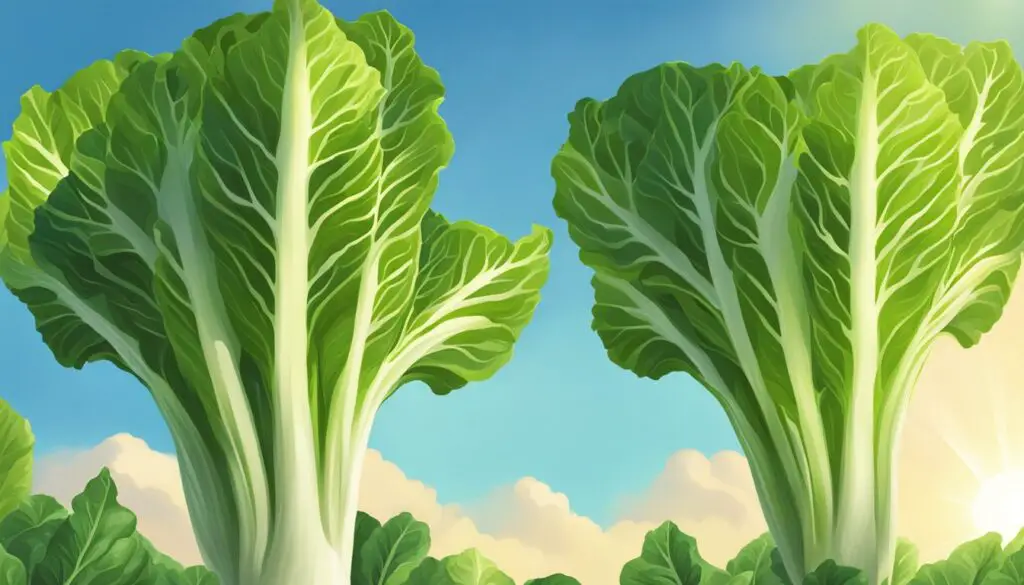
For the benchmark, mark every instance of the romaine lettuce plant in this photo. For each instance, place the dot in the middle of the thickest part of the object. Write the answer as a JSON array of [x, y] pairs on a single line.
[[796, 244], [244, 226]]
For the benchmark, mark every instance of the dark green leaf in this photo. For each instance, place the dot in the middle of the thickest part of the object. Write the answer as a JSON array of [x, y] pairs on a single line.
[[401, 541], [556, 579], [97, 544], [829, 573], [779, 568], [26, 532], [1010, 573], [756, 557], [12, 572], [199, 576], [430, 571], [16, 442], [668, 557], [365, 527]]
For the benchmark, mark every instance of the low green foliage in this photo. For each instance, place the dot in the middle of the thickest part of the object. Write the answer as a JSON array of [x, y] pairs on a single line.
[[395, 553], [95, 543], [386, 554], [670, 557], [556, 579]]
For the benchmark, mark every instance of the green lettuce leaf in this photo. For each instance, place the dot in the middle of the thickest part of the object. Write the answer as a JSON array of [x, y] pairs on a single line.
[[26, 532], [829, 573], [5, 208], [466, 568], [392, 551], [556, 579], [12, 572], [969, 563], [668, 557], [756, 558], [166, 575], [97, 544], [16, 443], [1011, 572], [366, 525], [472, 568], [199, 576], [430, 571], [906, 565]]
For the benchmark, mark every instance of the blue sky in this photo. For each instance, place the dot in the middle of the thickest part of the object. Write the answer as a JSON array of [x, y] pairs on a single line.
[[560, 411]]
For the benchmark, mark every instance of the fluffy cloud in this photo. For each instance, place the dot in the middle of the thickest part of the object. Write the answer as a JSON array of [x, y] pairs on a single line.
[[955, 438]]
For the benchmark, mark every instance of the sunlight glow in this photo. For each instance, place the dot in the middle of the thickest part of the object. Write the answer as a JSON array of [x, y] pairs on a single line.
[[999, 505]]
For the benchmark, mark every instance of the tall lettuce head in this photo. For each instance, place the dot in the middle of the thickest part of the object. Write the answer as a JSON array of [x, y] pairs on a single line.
[[244, 225], [797, 244]]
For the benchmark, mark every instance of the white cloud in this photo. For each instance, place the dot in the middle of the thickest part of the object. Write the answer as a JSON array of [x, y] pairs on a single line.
[[955, 436]]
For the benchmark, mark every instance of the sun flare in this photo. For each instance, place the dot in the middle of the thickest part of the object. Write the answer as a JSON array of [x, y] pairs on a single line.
[[999, 505]]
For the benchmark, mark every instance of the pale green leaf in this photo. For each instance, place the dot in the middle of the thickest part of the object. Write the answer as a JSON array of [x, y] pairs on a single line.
[[969, 563], [16, 443], [472, 568], [906, 564]]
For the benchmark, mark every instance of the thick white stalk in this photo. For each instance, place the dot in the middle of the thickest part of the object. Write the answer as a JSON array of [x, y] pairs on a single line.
[[316, 564], [855, 520], [298, 550]]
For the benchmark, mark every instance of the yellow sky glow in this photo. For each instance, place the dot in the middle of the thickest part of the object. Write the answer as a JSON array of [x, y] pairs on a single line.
[[962, 456]]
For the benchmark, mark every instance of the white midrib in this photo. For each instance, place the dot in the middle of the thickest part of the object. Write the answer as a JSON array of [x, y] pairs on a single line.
[[296, 531], [855, 520]]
